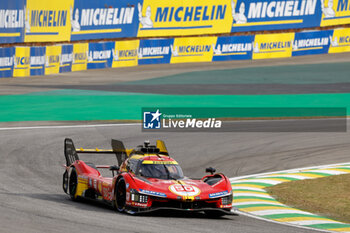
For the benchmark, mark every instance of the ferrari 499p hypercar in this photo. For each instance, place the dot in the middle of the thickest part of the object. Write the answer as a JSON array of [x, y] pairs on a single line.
[[145, 179]]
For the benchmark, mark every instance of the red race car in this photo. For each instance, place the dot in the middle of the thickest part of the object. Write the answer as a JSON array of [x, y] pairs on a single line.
[[145, 179]]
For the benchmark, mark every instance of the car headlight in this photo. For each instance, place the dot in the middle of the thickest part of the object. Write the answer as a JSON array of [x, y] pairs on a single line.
[[227, 200], [136, 197]]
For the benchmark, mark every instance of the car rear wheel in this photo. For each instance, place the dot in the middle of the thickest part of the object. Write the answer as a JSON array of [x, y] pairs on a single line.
[[120, 195], [65, 182], [73, 184]]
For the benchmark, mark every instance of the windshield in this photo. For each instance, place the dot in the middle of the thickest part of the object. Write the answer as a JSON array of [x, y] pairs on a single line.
[[161, 171]]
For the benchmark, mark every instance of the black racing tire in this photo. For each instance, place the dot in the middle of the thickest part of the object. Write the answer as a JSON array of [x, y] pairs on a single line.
[[65, 182], [73, 184], [120, 195]]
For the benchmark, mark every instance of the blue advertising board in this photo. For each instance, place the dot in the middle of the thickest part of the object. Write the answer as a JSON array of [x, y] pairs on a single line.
[[7, 56], [12, 21], [262, 15], [66, 58], [100, 55], [155, 51], [37, 60], [233, 48], [91, 19], [315, 42]]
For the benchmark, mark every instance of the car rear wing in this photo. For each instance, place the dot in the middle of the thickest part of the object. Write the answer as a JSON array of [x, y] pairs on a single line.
[[71, 153]]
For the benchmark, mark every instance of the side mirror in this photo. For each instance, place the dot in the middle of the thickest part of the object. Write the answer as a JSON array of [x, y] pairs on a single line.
[[114, 168], [210, 169]]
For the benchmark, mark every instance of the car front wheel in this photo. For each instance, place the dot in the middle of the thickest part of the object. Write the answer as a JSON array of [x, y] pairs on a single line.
[[120, 195]]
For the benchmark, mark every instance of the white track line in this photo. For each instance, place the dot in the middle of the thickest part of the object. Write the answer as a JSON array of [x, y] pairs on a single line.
[[282, 223], [68, 126], [265, 181], [133, 124]]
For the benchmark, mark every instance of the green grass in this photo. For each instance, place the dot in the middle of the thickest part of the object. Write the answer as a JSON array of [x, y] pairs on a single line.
[[328, 196]]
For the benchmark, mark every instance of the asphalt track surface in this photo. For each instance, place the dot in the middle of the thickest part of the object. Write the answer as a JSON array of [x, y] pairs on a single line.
[[109, 79], [32, 200]]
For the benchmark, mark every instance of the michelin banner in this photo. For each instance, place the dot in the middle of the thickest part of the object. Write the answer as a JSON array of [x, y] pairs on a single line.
[[340, 42], [308, 43], [100, 55], [155, 51], [21, 63], [335, 12], [192, 49], [37, 60], [47, 20], [125, 53], [91, 19], [24, 61], [183, 17], [233, 48], [74, 20], [7, 56], [273, 45], [12, 18], [79, 57], [262, 15], [66, 58]]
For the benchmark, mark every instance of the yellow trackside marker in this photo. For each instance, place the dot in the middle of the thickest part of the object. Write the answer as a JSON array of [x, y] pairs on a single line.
[[250, 192], [249, 185], [292, 219], [305, 174], [273, 178], [239, 193], [97, 149], [345, 229], [252, 200], [280, 174], [339, 169], [252, 209]]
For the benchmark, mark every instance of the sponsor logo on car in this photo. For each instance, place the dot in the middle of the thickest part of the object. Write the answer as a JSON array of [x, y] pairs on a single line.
[[184, 190], [218, 194], [152, 193]]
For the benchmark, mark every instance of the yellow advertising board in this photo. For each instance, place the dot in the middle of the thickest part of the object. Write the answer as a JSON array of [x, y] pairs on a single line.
[[335, 12], [184, 17], [21, 66], [47, 20], [340, 41], [80, 52], [125, 53], [52, 60], [273, 45], [192, 49]]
